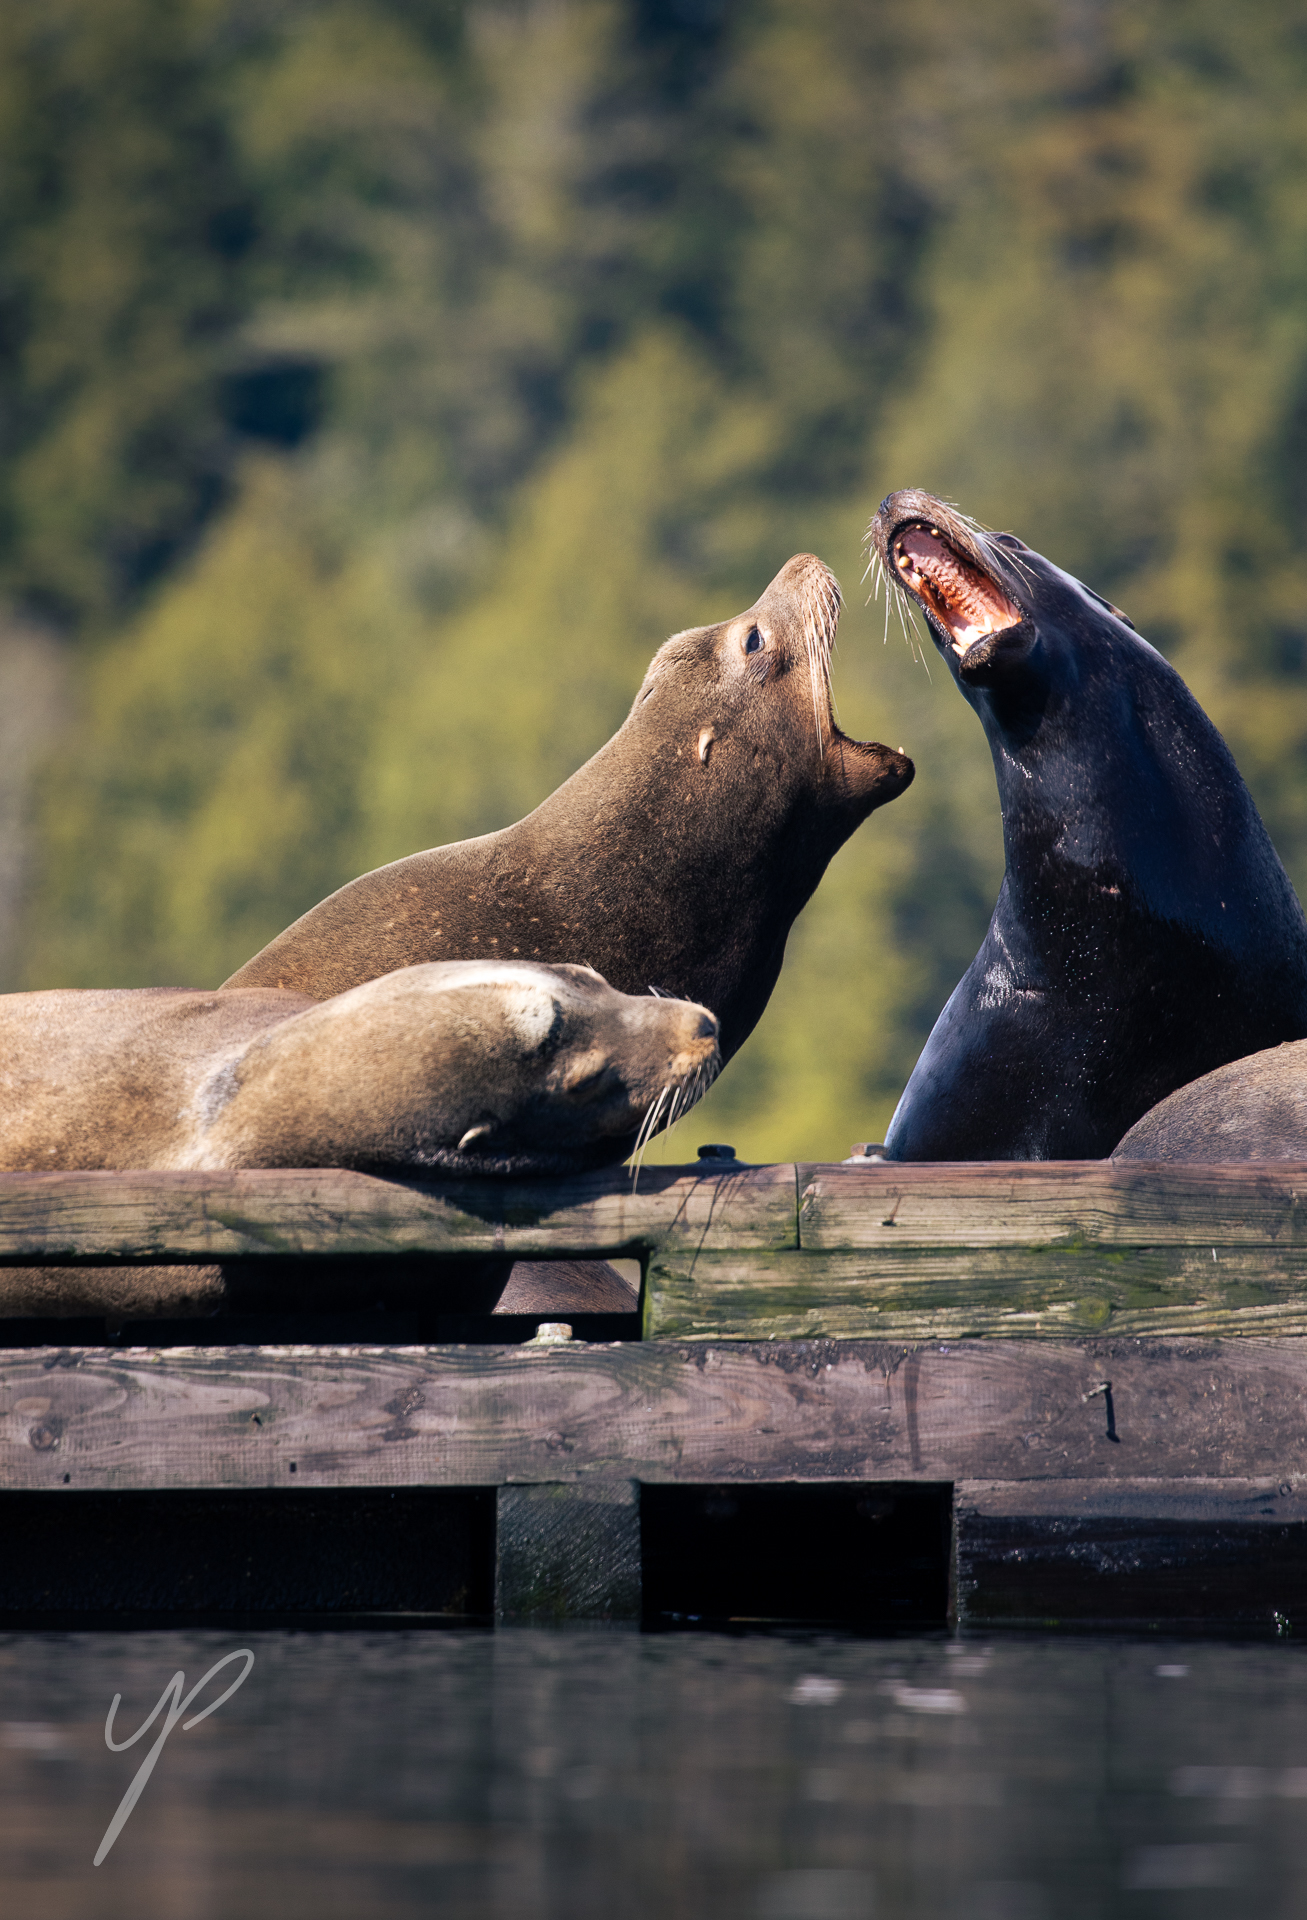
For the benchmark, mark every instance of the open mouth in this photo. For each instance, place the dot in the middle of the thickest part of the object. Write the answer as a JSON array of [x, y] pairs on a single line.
[[962, 599]]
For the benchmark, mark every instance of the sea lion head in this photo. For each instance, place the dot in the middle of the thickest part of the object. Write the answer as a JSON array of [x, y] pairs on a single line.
[[473, 1067], [990, 601], [677, 857], [1101, 753], [748, 703]]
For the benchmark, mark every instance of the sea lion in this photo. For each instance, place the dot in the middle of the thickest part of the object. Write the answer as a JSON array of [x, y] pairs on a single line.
[[1145, 931], [475, 1068], [498, 1067], [1252, 1109], [678, 858]]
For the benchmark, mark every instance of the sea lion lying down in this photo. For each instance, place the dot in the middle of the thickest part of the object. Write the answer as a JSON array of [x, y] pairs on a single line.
[[500, 1068], [1252, 1109], [1145, 932], [467, 1067]]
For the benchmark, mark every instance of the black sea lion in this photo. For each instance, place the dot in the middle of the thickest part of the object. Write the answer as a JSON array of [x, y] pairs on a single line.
[[502, 1067], [1145, 931], [677, 858], [1252, 1109]]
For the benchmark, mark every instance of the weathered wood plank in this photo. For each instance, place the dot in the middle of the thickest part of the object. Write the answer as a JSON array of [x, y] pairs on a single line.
[[982, 1410], [1053, 1204], [904, 1293], [1193, 1553], [567, 1551], [203, 1217], [1269, 1501]]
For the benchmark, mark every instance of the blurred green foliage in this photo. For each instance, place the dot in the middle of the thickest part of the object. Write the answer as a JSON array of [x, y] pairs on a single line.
[[383, 383]]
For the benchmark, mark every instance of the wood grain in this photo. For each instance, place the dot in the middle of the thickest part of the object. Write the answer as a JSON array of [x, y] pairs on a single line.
[[1045, 1250], [983, 1410], [1054, 1205], [205, 1217], [906, 1293]]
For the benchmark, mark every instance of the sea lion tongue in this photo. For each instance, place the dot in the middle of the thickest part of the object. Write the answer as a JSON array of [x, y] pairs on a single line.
[[961, 597]]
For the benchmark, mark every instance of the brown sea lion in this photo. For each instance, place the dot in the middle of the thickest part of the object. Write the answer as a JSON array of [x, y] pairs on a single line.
[[498, 1067], [467, 1067], [678, 858], [1252, 1109]]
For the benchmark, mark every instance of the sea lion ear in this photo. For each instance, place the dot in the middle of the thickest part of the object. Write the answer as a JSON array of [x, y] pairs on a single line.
[[989, 656]]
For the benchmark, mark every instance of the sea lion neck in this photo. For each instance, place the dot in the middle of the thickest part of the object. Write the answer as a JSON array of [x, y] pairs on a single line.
[[677, 858]]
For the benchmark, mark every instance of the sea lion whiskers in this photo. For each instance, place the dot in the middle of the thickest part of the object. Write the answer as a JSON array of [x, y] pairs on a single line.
[[648, 1127], [682, 1097], [681, 1094], [822, 615], [897, 595]]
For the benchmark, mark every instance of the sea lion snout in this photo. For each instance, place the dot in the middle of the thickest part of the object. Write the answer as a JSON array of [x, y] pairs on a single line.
[[953, 570]]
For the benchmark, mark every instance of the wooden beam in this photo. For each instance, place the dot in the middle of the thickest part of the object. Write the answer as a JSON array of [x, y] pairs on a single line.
[[982, 1410], [1055, 1206], [1044, 1250], [902, 1292], [1188, 1554], [180, 1218]]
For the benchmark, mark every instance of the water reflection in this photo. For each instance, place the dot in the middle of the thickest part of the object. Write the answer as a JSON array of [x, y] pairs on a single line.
[[528, 1776]]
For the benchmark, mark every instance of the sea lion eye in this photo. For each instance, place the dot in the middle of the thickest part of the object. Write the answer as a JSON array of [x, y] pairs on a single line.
[[754, 641]]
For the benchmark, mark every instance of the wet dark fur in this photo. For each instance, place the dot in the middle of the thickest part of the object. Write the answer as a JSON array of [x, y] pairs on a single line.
[[1145, 932]]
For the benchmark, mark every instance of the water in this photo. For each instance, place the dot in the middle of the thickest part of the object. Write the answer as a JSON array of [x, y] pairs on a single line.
[[554, 1776]]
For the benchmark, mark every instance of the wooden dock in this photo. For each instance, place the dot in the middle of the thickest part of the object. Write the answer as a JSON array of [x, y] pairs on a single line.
[[1089, 1376]]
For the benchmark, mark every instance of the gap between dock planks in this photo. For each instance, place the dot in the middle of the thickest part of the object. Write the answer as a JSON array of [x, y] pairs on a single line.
[[903, 1252]]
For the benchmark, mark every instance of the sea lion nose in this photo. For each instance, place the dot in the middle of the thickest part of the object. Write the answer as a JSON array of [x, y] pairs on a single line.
[[707, 1027]]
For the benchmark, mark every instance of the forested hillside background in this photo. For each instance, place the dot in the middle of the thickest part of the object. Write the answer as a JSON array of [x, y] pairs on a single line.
[[382, 383]]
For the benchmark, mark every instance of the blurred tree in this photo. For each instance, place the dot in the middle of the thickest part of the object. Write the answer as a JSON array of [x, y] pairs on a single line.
[[123, 220]]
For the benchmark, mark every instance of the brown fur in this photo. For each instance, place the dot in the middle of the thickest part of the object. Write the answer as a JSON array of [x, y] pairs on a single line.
[[1252, 1109], [496, 1068], [678, 857], [506, 1067]]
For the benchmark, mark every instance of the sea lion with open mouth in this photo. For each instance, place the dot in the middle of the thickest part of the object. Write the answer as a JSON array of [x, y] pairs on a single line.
[[1145, 931], [677, 859]]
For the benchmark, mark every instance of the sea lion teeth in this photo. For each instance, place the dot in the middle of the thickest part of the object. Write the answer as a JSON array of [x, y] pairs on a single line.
[[1145, 932], [968, 604]]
